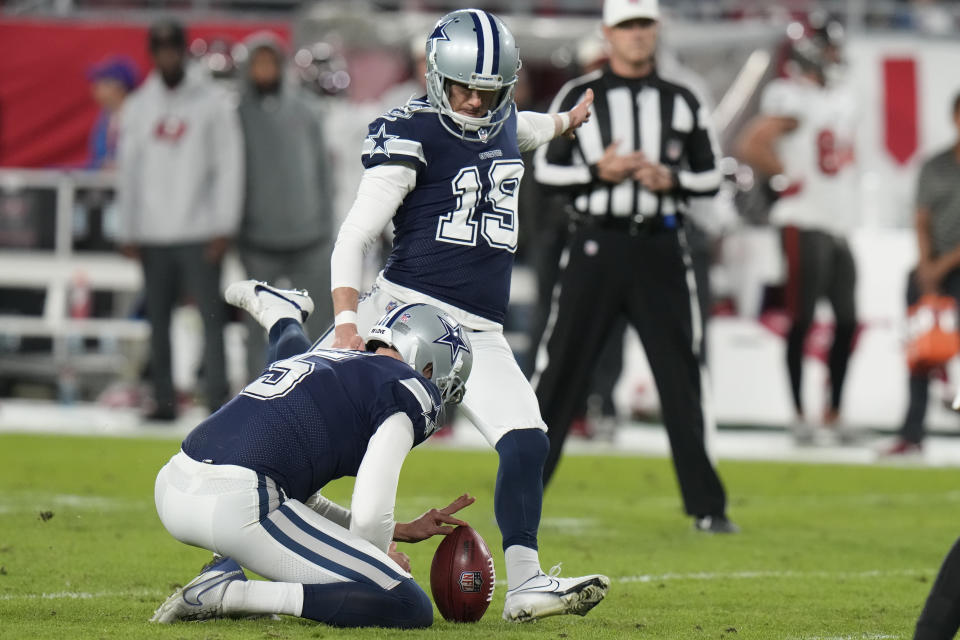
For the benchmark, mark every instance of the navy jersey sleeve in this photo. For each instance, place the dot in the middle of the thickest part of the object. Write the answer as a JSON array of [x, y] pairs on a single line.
[[395, 137], [415, 396]]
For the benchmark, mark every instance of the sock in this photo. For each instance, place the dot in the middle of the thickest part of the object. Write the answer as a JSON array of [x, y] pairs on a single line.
[[355, 604], [286, 339], [261, 597], [518, 498], [522, 563], [278, 310]]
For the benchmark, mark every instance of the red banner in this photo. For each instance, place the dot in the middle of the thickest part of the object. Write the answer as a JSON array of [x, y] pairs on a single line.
[[900, 117], [46, 111]]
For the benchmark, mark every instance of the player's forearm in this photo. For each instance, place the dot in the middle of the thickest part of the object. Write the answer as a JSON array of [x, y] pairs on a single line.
[[375, 489], [346, 261], [400, 532], [345, 301]]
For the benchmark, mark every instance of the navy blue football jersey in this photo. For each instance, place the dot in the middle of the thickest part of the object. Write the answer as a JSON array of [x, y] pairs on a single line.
[[307, 420], [456, 232]]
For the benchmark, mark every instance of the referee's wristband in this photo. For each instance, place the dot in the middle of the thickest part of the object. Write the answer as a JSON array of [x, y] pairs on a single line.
[[345, 317]]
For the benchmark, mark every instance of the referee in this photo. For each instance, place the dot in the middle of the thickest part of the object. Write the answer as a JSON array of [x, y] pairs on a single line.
[[646, 148]]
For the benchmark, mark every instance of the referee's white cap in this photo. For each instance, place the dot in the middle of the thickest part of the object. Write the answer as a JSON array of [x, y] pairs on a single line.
[[617, 11]]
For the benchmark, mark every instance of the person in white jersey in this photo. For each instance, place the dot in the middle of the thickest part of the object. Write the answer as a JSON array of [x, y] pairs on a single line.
[[802, 140]]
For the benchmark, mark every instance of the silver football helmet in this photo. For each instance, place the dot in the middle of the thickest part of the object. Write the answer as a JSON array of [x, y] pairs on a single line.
[[425, 335], [476, 49]]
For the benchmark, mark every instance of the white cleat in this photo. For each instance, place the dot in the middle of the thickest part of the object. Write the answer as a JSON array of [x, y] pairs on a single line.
[[202, 597], [267, 303], [548, 595]]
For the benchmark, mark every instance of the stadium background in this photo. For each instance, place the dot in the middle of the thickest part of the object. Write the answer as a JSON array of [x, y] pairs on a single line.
[[72, 343]]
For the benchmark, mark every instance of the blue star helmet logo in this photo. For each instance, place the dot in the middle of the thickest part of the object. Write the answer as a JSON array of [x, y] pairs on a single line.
[[452, 338], [380, 140], [439, 33]]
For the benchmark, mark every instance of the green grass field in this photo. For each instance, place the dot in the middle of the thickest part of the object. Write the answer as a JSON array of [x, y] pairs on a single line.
[[827, 552]]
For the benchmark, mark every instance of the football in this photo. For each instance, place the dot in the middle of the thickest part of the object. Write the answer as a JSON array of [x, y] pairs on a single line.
[[462, 576]]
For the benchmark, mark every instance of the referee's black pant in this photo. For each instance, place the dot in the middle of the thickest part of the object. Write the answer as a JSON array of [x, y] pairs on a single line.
[[647, 277]]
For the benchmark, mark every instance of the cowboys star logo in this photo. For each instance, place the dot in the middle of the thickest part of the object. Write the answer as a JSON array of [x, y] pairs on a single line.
[[439, 33], [452, 338], [380, 140]]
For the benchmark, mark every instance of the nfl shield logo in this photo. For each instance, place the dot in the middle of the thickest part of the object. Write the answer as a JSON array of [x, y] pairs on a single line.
[[393, 304], [404, 317], [483, 133], [471, 581]]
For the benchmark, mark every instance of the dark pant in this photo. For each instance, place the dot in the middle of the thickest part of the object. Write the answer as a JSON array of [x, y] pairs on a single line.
[[940, 617], [168, 273], [819, 265], [913, 429], [545, 251], [610, 273]]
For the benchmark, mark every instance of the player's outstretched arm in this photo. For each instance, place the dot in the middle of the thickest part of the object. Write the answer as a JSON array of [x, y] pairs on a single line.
[[535, 129], [432, 522]]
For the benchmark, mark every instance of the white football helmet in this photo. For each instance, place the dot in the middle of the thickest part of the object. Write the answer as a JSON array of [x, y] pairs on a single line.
[[425, 335], [476, 49]]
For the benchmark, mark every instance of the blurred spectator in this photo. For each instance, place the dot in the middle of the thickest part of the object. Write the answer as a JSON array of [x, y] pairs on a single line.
[[802, 141], [180, 185], [938, 266], [287, 220], [111, 80]]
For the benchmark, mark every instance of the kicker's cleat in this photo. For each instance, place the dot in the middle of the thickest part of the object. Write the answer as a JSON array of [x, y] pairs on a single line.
[[267, 303], [548, 595], [202, 597]]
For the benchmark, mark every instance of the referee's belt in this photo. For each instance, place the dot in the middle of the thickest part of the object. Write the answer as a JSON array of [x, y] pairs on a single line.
[[636, 224]]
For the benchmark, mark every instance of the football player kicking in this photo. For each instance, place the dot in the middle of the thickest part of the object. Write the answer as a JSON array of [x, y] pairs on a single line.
[[446, 169], [246, 481]]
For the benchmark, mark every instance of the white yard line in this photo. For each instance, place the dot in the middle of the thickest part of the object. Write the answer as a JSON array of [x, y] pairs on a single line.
[[83, 595], [754, 575], [38, 501]]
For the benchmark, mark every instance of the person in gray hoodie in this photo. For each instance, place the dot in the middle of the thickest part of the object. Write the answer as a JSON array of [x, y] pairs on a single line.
[[179, 180], [285, 233]]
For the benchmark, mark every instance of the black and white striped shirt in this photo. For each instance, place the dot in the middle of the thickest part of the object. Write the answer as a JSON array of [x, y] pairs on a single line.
[[662, 119]]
